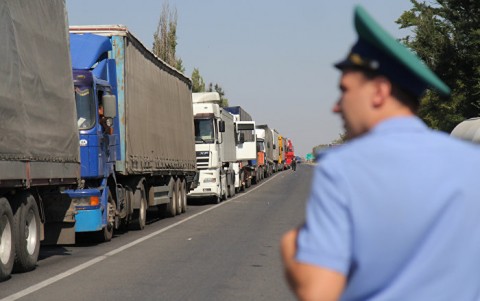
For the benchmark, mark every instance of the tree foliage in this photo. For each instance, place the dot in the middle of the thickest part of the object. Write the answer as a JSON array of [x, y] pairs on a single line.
[[447, 38], [165, 37], [217, 88], [198, 85]]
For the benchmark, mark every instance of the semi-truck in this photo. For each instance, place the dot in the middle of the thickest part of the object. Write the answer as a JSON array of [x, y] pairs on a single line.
[[290, 152], [39, 149], [281, 153], [265, 146], [246, 170], [215, 148], [136, 132]]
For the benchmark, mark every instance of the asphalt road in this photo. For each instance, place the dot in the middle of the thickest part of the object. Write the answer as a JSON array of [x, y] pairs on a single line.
[[222, 252]]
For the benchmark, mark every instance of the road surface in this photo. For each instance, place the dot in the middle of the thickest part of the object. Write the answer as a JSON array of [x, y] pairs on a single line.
[[222, 252]]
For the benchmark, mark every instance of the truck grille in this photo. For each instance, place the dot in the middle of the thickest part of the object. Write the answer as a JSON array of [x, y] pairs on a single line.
[[202, 159]]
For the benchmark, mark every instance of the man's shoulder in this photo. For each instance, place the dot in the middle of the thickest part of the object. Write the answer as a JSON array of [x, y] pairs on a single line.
[[373, 145]]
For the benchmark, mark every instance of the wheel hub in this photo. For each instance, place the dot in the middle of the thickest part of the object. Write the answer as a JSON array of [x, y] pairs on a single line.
[[5, 240]]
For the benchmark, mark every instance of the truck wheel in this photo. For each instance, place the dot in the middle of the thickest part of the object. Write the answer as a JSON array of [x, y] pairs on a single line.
[[7, 245], [106, 233], [172, 204], [183, 193], [140, 214], [27, 233], [178, 185], [224, 195]]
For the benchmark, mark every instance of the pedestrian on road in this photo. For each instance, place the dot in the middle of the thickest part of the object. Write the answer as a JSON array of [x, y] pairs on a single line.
[[294, 164], [393, 214]]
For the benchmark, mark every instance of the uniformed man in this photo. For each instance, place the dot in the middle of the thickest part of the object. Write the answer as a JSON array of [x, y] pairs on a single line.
[[394, 214]]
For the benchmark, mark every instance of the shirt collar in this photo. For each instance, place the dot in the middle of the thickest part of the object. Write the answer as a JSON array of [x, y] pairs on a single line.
[[404, 123]]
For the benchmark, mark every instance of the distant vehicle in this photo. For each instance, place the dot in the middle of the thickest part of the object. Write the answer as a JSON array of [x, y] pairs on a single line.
[[290, 152], [246, 168], [468, 130], [265, 146]]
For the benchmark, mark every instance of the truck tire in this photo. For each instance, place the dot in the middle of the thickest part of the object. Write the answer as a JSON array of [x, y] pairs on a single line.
[[183, 193], [178, 184], [27, 232], [224, 195], [106, 233], [7, 244], [140, 214], [172, 204]]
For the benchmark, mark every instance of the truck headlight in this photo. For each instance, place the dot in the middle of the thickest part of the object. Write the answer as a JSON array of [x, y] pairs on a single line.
[[87, 201], [210, 180]]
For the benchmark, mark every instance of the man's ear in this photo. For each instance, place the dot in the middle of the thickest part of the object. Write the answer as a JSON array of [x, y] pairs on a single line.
[[383, 90]]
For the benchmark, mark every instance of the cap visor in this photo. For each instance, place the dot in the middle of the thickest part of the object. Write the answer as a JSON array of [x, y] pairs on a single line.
[[344, 64]]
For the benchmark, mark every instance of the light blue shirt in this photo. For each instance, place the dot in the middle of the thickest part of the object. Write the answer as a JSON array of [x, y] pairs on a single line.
[[397, 211]]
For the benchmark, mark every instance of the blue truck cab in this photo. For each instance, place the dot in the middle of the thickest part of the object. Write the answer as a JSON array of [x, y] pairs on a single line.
[[94, 77]]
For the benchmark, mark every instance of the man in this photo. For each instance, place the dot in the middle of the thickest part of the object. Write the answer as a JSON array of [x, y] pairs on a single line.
[[394, 214]]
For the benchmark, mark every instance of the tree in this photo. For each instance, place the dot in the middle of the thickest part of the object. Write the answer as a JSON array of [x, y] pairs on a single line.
[[165, 37], [447, 38], [342, 138], [217, 88], [198, 85]]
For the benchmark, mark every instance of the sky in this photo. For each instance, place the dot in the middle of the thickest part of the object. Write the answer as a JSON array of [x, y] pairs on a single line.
[[274, 58]]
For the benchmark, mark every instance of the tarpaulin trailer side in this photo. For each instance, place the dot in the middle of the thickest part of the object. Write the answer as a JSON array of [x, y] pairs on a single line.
[[39, 138]]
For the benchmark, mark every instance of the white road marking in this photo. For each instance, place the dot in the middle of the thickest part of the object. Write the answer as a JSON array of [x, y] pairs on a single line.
[[100, 258]]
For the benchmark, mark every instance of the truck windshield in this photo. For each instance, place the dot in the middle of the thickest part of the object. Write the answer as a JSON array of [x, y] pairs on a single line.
[[260, 146], [85, 108], [204, 131]]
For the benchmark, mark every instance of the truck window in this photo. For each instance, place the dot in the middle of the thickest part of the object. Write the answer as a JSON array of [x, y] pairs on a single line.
[[85, 108], [204, 131]]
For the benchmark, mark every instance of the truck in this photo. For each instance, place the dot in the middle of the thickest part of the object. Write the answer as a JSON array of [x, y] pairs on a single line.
[[276, 151], [265, 147], [39, 152], [468, 130], [281, 153], [246, 169], [136, 132], [290, 152], [215, 148]]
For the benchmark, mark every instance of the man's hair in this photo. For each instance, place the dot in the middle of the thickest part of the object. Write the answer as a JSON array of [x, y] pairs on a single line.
[[399, 93]]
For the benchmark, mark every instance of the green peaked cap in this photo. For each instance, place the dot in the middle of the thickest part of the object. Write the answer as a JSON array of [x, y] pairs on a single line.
[[380, 50]]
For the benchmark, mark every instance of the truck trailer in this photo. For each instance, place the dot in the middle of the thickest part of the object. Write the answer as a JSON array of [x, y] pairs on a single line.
[[276, 150], [39, 152], [136, 131], [246, 169], [215, 148]]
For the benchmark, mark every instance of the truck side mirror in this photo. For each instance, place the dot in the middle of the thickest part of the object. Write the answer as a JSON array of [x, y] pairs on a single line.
[[109, 105], [221, 126]]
